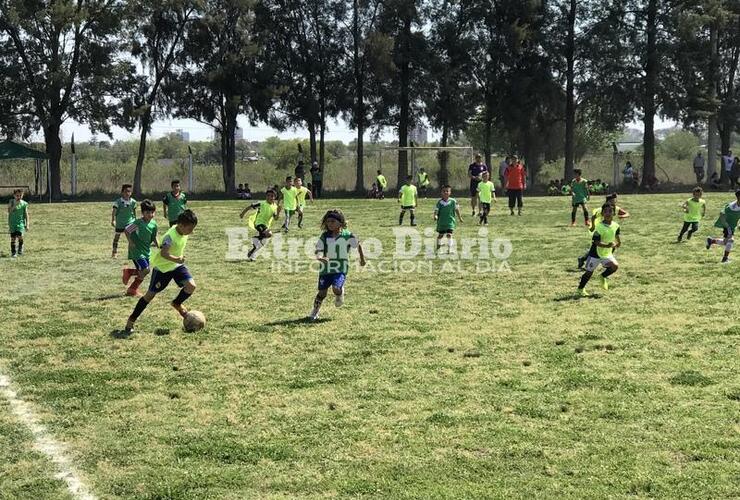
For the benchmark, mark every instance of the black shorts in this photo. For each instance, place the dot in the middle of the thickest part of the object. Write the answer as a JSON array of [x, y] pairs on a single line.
[[261, 230], [445, 231], [16, 234], [160, 280], [485, 206], [407, 208], [474, 187], [727, 232], [119, 231]]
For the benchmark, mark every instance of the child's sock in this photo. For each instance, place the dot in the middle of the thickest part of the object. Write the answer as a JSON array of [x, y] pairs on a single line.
[[584, 280], [181, 297], [12, 247], [412, 218], [300, 219], [20, 246], [115, 242], [572, 216], [608, 272], [317, 302], [140, 306], [400, 217], [135, 284]]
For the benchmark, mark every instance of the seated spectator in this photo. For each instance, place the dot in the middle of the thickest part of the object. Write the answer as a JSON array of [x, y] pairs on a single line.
[[247, 192], [552, 188], [565, 190], [240, 192], [373, 193], [715, 182]]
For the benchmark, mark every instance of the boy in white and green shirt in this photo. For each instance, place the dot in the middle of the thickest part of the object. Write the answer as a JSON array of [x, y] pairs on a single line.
[[18, 222], [445, 212], [407, 198], [175, 202], [694, 209], [123, 214], [486, 196], [141, 235]]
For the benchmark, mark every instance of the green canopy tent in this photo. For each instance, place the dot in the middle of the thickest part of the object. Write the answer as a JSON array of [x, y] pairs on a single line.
[[10, 150]]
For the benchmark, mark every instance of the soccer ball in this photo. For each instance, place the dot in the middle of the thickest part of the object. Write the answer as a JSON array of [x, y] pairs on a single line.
[[193, 321]]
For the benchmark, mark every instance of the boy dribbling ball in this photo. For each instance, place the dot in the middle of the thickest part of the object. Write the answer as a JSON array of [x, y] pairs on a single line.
[[18, 222], [168, 264], [407, 197], [694, 210], [445, 212], [123, 214], [141, 235], [332, 251]]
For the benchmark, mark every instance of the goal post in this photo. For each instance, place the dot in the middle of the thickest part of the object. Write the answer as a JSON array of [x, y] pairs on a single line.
[[430, 159]]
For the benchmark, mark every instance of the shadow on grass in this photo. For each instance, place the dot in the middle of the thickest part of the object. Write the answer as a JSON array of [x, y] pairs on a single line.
[[297, 322], [574, 297], [111, 297], [121, 334], [160, 332], [574, 271]]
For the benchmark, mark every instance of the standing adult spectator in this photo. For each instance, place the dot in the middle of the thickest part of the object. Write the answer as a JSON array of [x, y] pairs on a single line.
[[699, 167], [735, 173], [502, 168], [627, 173], [316, 180], [515, 177], [300, 170], [475, 170], [727, 161]]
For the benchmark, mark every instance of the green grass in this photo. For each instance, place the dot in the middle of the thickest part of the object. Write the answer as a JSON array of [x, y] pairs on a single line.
[[422, 386]]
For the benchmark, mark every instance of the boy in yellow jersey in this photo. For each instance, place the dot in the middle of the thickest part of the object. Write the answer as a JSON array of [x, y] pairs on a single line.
[[123, 214], [18, 221], [382, 184], [266, 211], [486, 196], [301, 193], [694, 209], [596, 217], [423, 181], [169, 264], [605, 240], [290, 204], [407, 198]]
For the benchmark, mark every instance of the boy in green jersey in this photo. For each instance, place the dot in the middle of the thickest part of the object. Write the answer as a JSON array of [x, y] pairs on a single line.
[[290, 204], [141, 235], [407, 199], [486, 196], [123, 214], [579, 196], [332, 251], [18, 222], [382, 184], [694, 209], [445, 212], [301, 193], [174, 202], [423, 181], [728, 220], [169, 264], [604, 241], [266, 211]]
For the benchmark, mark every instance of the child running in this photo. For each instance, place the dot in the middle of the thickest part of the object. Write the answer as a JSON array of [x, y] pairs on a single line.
[[444, 213], [18, 222], [728, 219], [695, 208], [605, 240], [596, 217], [175, 202], [579, 197], [382, 183], [301, 193], [407, 197], [332, 251], [266, 211], [486, 196], [168, 263], [123, 214], [141, 235], [289, 193]]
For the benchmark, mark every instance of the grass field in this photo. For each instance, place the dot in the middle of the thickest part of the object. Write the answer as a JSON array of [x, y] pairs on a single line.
[[442, 385]]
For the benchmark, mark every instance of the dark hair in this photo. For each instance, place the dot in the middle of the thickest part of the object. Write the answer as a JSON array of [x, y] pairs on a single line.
[[446, 186], [126, 186], [379, 172], [699, 189], [188, 217], [270, 191], [577, 171], [605, 206], [611, 196], [148, 206], [289, 178], [409, 178], [174, 181], [335, 214], [16, 191]]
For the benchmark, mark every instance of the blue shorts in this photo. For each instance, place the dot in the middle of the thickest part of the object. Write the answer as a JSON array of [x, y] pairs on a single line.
[[335, 280], [140, 264], [160, 280]]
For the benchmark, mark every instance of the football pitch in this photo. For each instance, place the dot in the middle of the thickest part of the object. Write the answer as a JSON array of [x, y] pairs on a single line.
[[441, 380]]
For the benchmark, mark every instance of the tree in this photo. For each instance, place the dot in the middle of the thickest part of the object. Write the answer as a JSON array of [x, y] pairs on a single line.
[[226, 74], [156, 30], [58, 61]]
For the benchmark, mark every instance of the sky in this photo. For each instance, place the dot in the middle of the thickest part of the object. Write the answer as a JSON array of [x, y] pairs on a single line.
[[337, 131]]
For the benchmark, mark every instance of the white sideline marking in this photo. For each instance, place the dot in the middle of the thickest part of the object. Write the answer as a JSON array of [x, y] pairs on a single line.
[[45, 442]]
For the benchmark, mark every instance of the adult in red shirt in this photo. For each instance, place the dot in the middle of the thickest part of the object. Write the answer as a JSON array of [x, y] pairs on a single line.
[[515, 178]]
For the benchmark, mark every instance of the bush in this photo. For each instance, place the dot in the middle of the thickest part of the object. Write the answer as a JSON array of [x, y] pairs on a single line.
[[680, 145]]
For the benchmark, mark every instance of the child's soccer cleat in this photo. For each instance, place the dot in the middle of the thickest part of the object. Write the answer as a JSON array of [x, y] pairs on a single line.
[[726, 261], [180, 309], [583, 293], [709, 243], [127, 274], [339, 299], [581, 261], [604, 283], [314, 315], [572, 224], [20, 253], [587, 223], [13, 256], [129, 328]]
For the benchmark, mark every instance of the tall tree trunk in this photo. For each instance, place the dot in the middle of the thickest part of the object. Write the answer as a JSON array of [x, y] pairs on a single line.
[[404, 101], [570, 104], [228, 143], [322, 132], [712, 94], [651, 77], [488, 127], [312, 140], [144, 123], [359, 99], [444, 156], [54, 150]]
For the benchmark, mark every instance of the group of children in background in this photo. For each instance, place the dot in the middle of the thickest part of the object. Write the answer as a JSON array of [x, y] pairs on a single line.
[[559, 187]]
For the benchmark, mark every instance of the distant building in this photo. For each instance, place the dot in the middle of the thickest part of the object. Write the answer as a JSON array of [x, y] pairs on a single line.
[[418, 135], [183, 135]]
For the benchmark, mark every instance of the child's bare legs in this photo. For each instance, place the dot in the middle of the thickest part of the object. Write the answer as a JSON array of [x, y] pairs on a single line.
[[186, 291], [116, 237], [133, 290], [13, 240], [300, 217]]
